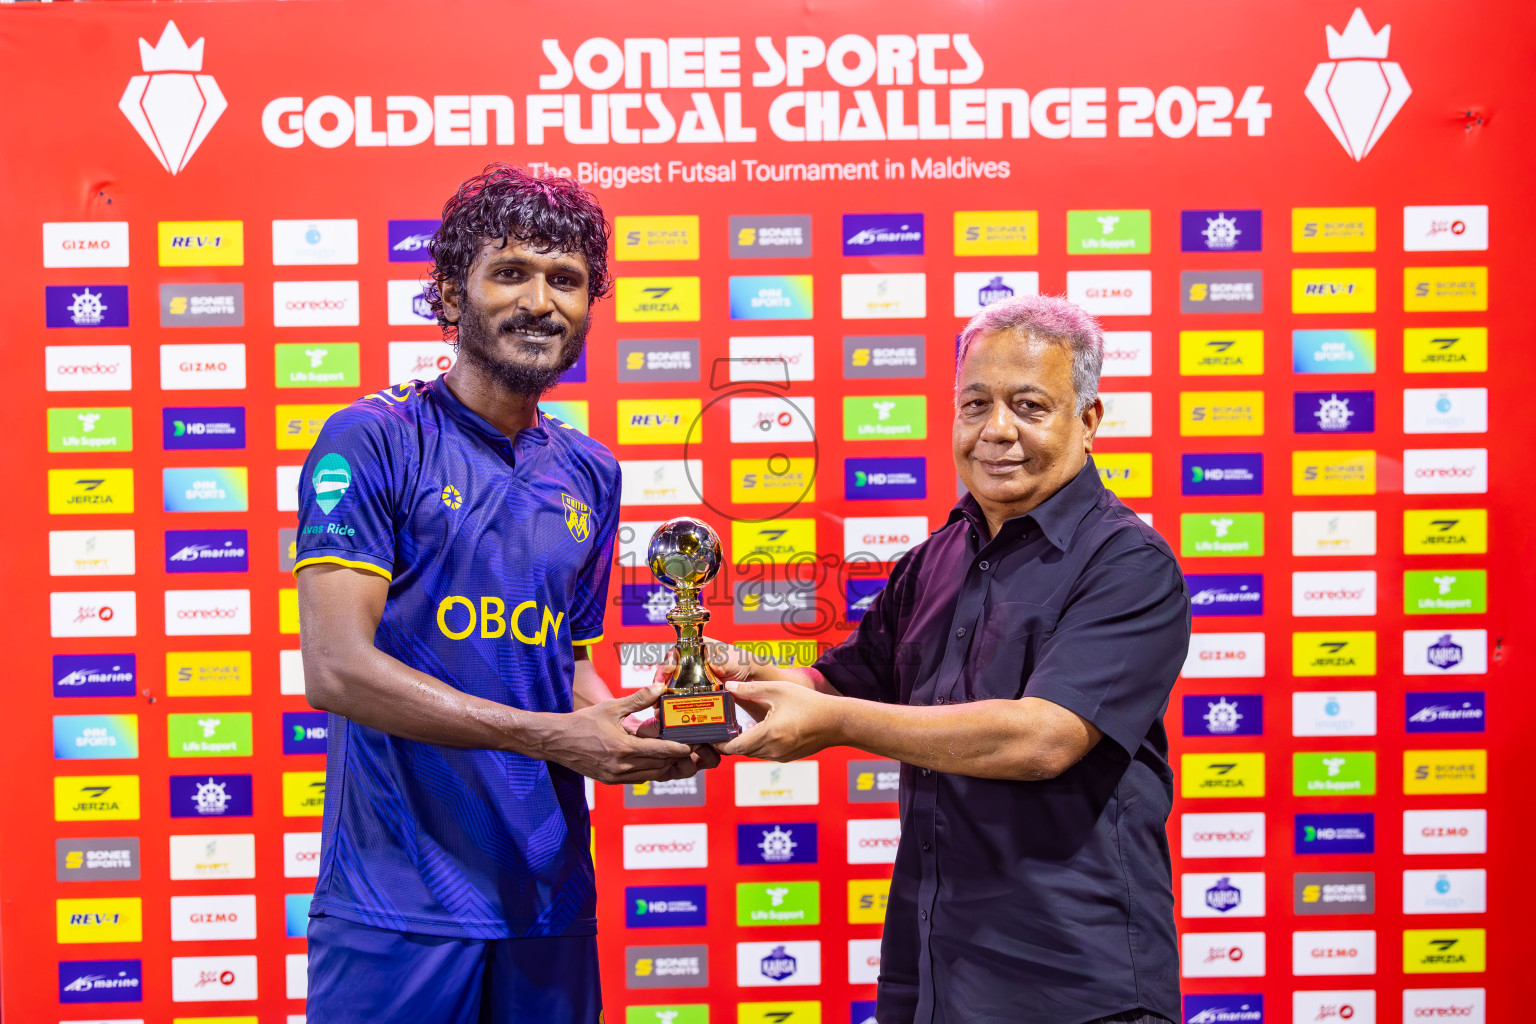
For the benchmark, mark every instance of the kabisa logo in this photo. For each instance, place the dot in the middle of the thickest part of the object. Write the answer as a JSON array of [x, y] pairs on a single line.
[[332, 477], [171, 106], [1357, 91], [1223, 895], [778, 964]]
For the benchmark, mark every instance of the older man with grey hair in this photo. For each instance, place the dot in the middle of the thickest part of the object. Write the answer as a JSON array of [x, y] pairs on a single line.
[[1018, 663]]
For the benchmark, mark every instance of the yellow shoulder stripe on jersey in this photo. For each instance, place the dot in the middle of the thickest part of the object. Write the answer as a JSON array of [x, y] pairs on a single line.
[[349, 563], [588, 643]]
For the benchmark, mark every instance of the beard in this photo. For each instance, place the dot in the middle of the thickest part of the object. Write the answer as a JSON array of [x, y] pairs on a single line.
[[477, 347]]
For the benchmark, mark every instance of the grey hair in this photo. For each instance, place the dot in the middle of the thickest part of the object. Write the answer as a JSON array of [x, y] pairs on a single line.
[[1049, 318]]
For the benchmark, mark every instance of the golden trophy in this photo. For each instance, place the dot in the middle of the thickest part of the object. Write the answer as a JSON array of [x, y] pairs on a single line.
[[685, 556]]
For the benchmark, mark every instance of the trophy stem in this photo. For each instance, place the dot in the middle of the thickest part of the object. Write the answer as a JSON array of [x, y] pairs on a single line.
[[687, 619]]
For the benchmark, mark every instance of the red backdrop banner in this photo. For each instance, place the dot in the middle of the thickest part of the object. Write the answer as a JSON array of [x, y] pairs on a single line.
[[1296, 220]]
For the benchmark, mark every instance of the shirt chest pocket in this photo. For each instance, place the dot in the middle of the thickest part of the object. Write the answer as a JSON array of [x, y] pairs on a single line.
[[1005, 649]]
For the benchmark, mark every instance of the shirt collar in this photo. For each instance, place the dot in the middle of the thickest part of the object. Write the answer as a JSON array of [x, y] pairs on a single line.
[[1057, 516], [478, 424]]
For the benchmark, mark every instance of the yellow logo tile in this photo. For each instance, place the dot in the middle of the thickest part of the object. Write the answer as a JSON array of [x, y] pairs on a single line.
[[299, 425], [1445, 531], [775, 542], [288, 611], [658, 420], [1333, 290], [1445, 349], [202, 243], [208, 674], [1221, 352], [656, 299], [866, 900], [1445, 951], [997, 233], [1345, 472], [1333, 654], [1221, 413], [1127, 474], [303, 794], [1436, 289], [802, 1011], [1222, 775], [1445, 771], [102, 919], [777, 479], [1333, 229], [77, 491], [656, 238], [96, 798]]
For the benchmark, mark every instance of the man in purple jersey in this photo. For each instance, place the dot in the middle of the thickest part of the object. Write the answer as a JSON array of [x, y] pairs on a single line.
[[453, 560]]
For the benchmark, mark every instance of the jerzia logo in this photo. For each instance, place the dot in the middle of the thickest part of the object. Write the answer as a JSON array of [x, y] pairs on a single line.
[[1357, 91], [171, 108]]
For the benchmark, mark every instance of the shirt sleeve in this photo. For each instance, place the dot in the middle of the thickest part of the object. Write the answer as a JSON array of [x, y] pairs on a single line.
[[1119, 646], [349, 495], [866, 664], [590, 602]]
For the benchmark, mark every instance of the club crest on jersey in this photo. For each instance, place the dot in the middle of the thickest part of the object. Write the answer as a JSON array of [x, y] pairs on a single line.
[[578, 518]]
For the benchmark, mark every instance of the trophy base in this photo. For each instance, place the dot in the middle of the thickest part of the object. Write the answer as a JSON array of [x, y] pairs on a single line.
[[708, 717]]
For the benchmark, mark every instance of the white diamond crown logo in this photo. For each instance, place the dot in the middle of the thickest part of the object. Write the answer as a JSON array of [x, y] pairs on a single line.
[[1357, 91], [171, 106]]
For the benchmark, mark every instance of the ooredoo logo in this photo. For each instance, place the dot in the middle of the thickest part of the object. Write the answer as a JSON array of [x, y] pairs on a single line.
[[171, 105], [207, 612], [1357, 91], [1222, 835], [88, 368], [314, 304], [666, 846]]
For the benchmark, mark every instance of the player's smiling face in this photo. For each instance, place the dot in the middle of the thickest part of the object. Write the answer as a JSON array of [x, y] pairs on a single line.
[[522, 313]]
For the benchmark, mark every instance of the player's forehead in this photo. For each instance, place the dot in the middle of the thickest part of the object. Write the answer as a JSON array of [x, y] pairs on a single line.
[[529, 253]]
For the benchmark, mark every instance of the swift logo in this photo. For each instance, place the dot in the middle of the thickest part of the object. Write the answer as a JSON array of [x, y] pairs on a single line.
[[171, 106], [1357, 91]]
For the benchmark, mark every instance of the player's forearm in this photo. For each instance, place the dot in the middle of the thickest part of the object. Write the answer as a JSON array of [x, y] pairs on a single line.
[[373, 689], [587, 687], [761, 671], [989, 739]]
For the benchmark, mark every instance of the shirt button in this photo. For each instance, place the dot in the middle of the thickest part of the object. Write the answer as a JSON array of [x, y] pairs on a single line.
[[927, 771], [983, 566], [927, 847], [960, 631], [923, 914]]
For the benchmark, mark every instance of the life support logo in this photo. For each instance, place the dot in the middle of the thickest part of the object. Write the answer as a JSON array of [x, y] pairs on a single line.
[[578, 518], [459, 617]]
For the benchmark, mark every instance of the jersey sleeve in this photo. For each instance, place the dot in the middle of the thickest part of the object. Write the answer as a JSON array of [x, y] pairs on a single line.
[[350, 493], [590, 601]]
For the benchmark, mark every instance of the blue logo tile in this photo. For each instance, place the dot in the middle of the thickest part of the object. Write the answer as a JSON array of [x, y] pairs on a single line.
[[95, 675]]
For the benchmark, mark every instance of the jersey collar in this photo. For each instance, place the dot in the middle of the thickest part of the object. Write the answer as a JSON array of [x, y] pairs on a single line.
[[475, 423]]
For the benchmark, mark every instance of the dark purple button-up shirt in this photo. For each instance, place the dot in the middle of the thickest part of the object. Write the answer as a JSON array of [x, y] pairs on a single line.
[[1032, 902]]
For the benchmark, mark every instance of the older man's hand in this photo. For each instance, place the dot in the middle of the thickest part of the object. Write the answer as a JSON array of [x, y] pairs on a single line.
[[793, 721]]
